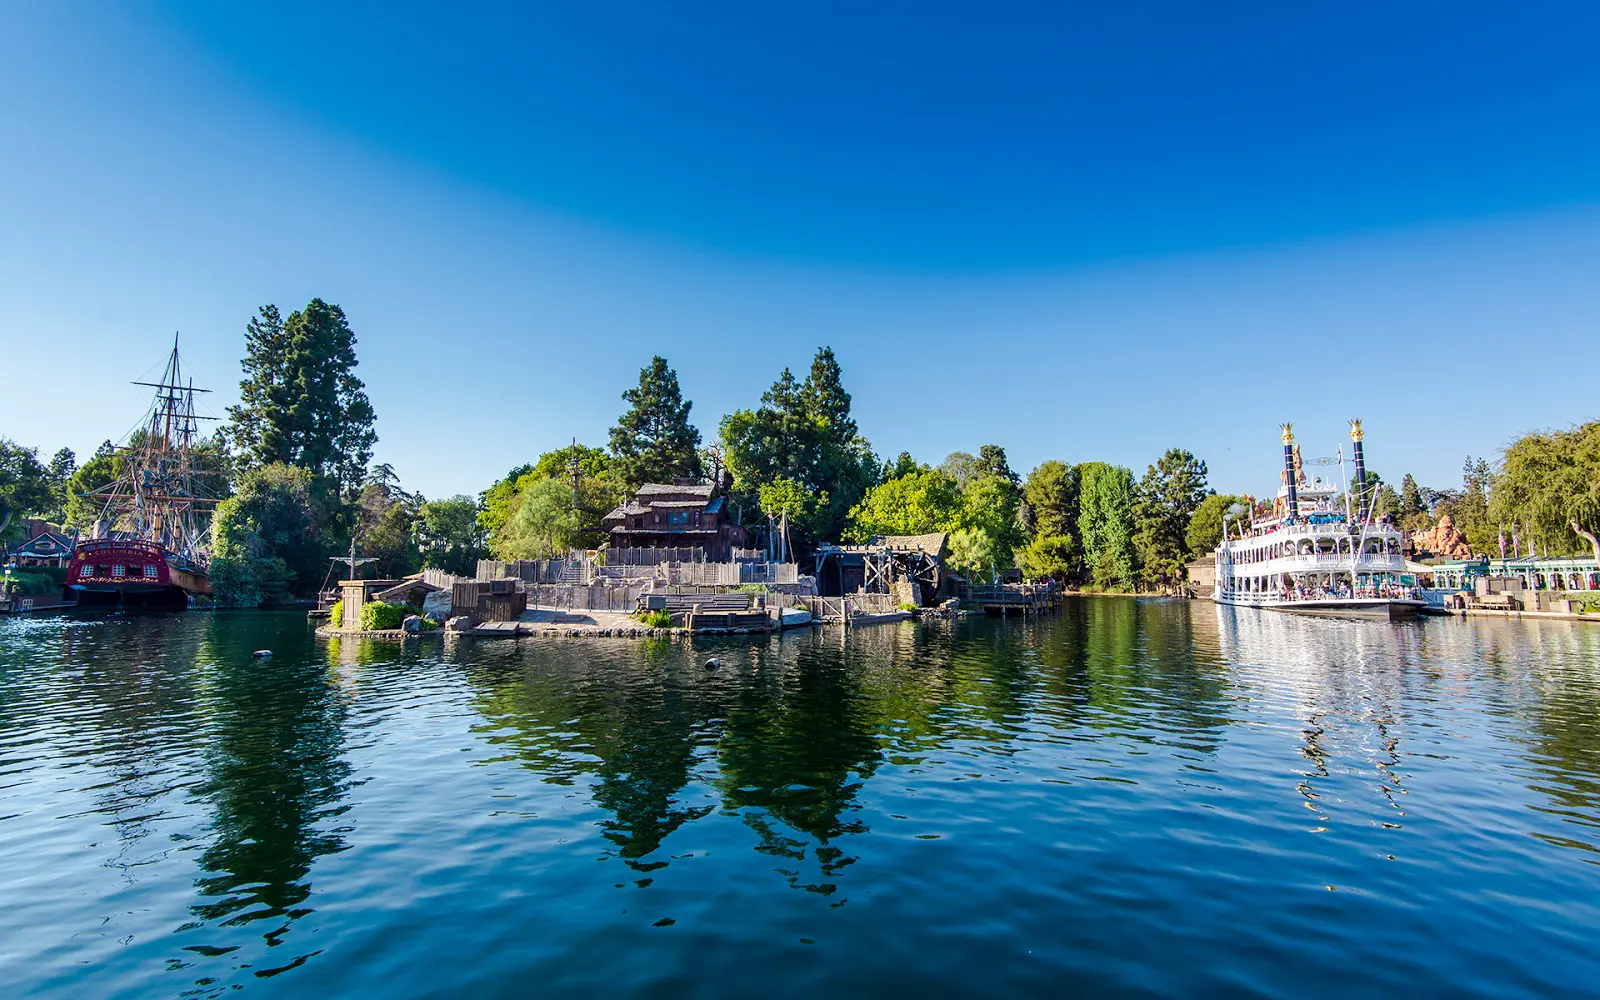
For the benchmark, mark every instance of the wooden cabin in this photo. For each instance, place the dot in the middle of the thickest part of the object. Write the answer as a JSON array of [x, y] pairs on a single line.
[[682, 514]]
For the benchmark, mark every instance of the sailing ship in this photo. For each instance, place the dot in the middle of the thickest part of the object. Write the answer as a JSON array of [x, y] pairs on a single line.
[[147, 545], [1313, 554]]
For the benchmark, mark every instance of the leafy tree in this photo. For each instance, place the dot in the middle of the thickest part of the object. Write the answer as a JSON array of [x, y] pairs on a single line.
[[653, 441], [25, 485], [599, 490], [972, 552], [1550, 483], [961, 466], [990, 504], [1204, 532], [386, 522], [1106, 523], [545, 525], [1169, 494], [497, 503], [264, 538], [105, 468], [1050, 510], [301, 403], [915, 504], [1050, 557], [449, 535]]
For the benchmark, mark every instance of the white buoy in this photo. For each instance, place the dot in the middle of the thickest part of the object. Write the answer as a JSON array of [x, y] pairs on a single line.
[[262, 654], [713, 663]]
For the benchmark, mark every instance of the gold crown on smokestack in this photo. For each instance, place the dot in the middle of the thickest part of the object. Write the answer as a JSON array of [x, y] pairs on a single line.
[[1355, 429], [1288, 434]]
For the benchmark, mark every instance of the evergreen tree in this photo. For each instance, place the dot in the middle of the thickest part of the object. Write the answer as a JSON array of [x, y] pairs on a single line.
[[1049, 512], [991, 461], [1169, 495], [301, 403], [62, 466], [653, 441], [802, 433]]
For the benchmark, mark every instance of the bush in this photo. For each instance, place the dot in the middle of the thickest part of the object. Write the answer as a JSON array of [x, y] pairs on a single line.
[[656, 619], [906, 606], [336, 614], [38, 580], [377, 616]]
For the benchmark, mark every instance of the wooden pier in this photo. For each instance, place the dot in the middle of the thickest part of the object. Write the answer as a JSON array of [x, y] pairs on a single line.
[[1012, 598]]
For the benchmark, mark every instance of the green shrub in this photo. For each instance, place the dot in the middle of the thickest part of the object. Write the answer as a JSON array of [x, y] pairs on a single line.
[[336, 614], [656, 619], [37, 580], [377, 616], [906, 606]]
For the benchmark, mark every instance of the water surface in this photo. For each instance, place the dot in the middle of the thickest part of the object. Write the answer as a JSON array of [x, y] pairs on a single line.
[[1132, 798]]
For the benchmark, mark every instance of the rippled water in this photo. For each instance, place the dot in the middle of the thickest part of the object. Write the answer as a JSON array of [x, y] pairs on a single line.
[[1133, 798]]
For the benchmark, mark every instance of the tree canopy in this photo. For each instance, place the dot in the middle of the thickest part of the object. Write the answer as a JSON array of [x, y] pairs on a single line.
[[263, 538], [1549, 485], [1106, 524], [25, 485], [1168, 496]]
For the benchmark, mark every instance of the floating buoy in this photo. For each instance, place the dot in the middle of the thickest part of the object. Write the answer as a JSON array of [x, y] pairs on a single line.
[[713, 663], [262, 654]]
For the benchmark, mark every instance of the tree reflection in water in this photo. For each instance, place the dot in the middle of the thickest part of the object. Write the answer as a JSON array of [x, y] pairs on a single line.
[[275, 783]]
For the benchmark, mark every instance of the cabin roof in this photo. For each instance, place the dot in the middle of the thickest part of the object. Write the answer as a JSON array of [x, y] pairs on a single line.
[[670, 489]]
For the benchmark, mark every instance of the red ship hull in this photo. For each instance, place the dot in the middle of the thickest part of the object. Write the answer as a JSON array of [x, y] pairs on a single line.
[[114, 571]]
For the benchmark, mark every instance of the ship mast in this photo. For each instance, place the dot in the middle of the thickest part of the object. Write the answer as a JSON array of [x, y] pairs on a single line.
[[155, 497]]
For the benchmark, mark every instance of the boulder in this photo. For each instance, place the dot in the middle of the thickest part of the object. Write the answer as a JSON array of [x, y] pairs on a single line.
[[437, 605], [460, 623], [412, 623]]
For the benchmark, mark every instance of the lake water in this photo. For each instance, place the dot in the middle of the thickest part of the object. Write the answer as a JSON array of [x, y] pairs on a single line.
[[1131, 798]]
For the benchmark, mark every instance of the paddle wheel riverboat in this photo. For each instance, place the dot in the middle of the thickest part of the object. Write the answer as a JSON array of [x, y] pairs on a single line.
[[147, 544], [1313, 554]]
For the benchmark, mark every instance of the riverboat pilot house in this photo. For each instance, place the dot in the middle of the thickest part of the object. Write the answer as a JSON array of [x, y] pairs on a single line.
[[681, 514]]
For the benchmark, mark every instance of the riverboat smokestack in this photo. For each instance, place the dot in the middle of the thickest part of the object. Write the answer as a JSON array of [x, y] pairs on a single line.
[[1289, 470], [1361, 471]]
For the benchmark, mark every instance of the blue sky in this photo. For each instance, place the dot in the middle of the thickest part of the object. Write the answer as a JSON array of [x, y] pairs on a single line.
[[1090, 233]]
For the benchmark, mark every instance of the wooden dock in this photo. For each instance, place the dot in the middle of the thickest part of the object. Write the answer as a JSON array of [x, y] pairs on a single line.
[[1012, 598]]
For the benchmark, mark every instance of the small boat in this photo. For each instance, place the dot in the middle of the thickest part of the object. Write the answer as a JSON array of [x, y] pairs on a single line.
[[1314, 555], [794, 618]]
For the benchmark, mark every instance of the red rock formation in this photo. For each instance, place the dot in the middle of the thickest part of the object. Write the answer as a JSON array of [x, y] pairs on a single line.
[[1444, 539]]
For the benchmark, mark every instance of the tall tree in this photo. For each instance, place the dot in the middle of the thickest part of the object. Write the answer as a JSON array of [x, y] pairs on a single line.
[[823, 398], [1550, 483], [1106, 524], [1049, 513], [802, 433], [654, 441], [1169, 494], [300, 401], [25, 486], [62, 466]]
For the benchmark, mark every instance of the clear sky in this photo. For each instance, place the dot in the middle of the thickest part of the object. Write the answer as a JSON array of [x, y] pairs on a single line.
[[1081, 234]]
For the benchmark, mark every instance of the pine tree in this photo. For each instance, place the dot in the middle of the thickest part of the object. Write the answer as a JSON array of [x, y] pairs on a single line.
[[301, 403], [654, 441], [823, 398]]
